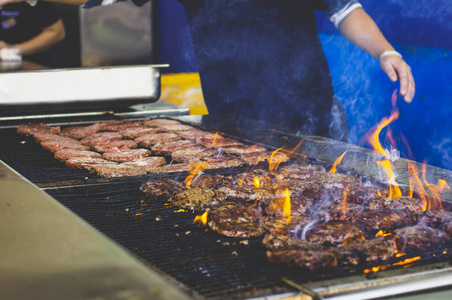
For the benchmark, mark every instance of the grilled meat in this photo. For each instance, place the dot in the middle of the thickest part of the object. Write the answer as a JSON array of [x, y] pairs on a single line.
[[197, 199], [333, 232], [211, 163], [85, 162], [236, 220], [65, 154], [246, 192], [217, 141], [134, 132], [171, 168], [191, 153], [297, 171], [148, 164], [159, 122], [264, 178], [162, 188], [148, 140], [386, 220], [116, 170], [32, 129], [55, 145], [368, 251], [194, 134], [175, 127], [436, 218], [130, 155], [287, 227], [266, 156], [79, 132], [118, 125], [210, 181], [418, 238], [242, 149], [166, 148], [116, 146], [101, 138], [43, 137]]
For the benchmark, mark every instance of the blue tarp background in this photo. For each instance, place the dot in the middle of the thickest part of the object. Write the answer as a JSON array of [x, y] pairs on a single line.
[[421, 30]]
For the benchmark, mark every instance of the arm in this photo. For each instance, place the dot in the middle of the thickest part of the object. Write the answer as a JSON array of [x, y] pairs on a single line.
[[42, 42], [361, 30]]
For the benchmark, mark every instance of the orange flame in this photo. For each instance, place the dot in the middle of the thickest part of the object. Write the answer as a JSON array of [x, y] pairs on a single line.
[[431, 201], [201, 219], [217, 135], [256, 182], [336, 163], [198, 170], [374, 141], [274, 165], [381, 233], [287, 209]]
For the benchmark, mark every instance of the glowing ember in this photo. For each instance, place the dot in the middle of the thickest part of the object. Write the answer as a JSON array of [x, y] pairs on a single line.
[[201, 219], [381, 233], [199, 169], [407, 261], [336, 163]]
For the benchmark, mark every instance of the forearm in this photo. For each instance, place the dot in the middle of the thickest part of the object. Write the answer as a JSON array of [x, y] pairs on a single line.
[[44, 41], [361, 30]]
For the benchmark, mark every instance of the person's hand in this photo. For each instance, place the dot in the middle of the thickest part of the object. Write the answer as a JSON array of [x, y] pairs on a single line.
[[396, 68], [4, 2]]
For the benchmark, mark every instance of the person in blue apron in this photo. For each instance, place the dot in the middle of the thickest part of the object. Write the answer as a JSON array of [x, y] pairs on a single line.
[[30, 30], [263, 59]]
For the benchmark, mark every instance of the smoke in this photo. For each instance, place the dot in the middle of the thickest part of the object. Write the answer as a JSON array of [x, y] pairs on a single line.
[[443, 150]]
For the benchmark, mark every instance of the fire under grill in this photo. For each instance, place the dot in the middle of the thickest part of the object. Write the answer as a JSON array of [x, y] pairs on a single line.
[[197, 260]]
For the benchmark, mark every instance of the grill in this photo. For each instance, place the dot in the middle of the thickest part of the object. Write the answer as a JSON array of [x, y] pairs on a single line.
[[196, 260]]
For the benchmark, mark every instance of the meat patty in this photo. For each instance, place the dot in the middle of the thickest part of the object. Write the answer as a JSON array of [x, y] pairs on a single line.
[[118, 125], [175, 127], [171, 168], [84, 162], [246, 192], [333, 232], [148, 140], [159, 122], [236, 220], [116, 170], [166, 148], [384, 219], [287, 227], [101, 138], [211, 163], [296, 171], [65, 154], [371, 251], [55, 145], [32, 129], [187, 154], [266, 156], [242, 149], [116, 146], [134, 132], [148, 164], [43, 137], [197, 199], [436, 218], [130, 155], [217, 142], [210, 181], [263, 178], [418, 238], [195, 134], [79, 132], [162, 188]]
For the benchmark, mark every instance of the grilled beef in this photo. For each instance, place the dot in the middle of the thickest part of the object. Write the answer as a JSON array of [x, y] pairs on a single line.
[[296, 171], [333, 232], [32, 129], [130, 155], [210, 181], [190, 153], [175, 127], [148, 164], [116, 146], [166, 148], [117, 125], [242, 149], [384, 219], [260, 177], [197, 199], [418, 238], [246, 192], [211, 163], [159, 122], [162, 188], [194, 134], [171, 168], [79, 132], [43, 137], [436, 218], [217, 141], [288, 226], [85, 162], [368, 251], [116, 170], [236, 220], [101, 138], [134, 132], [65, 154], [148, 140], [55, 145]]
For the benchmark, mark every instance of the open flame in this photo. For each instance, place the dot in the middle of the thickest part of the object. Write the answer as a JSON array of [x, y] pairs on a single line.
[[273, 165], [201, 219], [287, 209], [336, 163], [198, 170], [256, 182], [431, 196], [385, 163]]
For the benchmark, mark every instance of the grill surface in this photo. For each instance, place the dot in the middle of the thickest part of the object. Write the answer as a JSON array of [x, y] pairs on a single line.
[[203, 263]]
